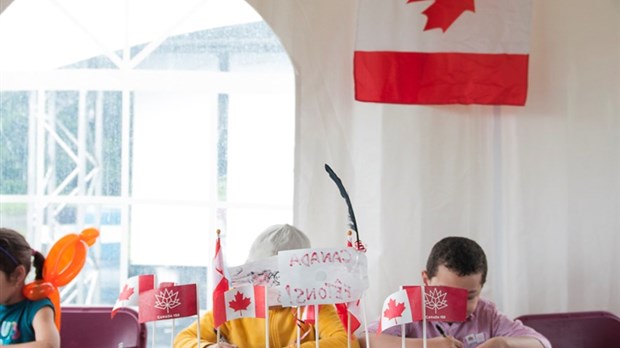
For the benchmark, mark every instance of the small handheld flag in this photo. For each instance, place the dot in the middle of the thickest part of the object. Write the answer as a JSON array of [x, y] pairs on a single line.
[[168, 302], [131, 291], [242, 302]]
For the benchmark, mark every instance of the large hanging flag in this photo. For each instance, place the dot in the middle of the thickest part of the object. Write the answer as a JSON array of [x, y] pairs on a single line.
[[443, 51], [167, 302], [131, 291], [242, 302], [441, 303]]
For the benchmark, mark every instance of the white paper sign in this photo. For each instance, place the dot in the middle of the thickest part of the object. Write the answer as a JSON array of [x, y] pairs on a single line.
[[322, 276], [262, 272]]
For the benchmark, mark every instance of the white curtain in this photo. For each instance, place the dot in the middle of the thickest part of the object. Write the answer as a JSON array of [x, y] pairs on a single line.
[[537, 186]]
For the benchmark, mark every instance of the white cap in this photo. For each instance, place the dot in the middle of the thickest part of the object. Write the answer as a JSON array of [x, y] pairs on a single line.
[[277, 238]]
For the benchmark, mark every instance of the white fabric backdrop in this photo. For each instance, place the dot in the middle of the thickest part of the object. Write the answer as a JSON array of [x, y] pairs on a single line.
[[537, 186]]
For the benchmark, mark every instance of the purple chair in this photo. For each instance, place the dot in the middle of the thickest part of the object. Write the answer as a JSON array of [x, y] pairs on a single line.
[[594, 329], [92, 327]]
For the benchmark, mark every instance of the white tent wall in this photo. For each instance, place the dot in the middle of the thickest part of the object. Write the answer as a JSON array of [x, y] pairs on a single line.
[[537, 186]]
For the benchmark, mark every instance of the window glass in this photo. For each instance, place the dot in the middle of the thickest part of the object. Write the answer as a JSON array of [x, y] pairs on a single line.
[[160, 129]]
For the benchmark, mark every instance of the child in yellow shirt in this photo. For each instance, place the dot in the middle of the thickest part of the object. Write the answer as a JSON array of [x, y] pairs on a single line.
[[250, 332]]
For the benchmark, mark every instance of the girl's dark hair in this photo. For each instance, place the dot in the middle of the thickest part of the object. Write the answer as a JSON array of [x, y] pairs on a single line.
[[15, 251], [461, 255]]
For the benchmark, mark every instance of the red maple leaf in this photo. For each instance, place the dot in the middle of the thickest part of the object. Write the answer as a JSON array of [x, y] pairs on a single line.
[[394, 310], [442, 13], [126, 293], [240, 302]]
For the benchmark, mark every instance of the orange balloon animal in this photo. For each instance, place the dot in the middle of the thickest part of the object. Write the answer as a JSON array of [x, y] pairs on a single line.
[[63, 263]]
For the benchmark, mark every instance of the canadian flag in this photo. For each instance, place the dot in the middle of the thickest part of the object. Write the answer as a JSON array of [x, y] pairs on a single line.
[[353, 308], [242, 302], [133, 287], [396, 311], [442, 303], [443, 51], [352, 312], [167, 302], [218, 276], [309, 315]]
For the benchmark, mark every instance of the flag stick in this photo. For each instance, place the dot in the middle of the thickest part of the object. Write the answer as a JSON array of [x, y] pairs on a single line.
[[172, 335], [348, 328], [197, 316], [363, 304], [316, 324], [154, 322], [266, 317], [218, 337], [298, 326], [154, 329], [402, 335], [423, 291]]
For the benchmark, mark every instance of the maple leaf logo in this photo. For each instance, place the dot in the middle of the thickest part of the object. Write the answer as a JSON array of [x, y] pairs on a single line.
[[240, 303], [126, 293], [435, 300], [167, 300], [442, 13], [394, 310]]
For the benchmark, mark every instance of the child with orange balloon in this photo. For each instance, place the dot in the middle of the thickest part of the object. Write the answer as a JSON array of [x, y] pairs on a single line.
[[23, 320]]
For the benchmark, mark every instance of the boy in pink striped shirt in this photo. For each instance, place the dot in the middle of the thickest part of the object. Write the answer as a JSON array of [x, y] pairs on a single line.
[[460, 262]]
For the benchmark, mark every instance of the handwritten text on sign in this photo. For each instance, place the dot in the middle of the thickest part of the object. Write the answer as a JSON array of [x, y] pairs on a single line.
[[322, 276]]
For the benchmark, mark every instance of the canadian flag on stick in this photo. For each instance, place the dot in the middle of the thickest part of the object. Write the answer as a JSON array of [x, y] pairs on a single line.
[[350, 314], [309, 315], [242, 302], [442, 303], [443, 51], [396, 311], [131, 291], [218, 276], [167, 302]]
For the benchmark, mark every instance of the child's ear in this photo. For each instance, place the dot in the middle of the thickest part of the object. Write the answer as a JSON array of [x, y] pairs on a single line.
[[425, 278], [19, 274]]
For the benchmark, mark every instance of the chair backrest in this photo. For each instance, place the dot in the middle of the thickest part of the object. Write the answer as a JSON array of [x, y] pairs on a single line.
[[92, 327], [595, 329]]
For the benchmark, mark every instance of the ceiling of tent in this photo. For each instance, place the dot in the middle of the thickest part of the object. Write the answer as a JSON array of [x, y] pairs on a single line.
[[4, 4], [43, 35]]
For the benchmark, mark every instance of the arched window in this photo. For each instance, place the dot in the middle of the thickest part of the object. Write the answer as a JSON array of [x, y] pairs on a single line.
[[157, 122]]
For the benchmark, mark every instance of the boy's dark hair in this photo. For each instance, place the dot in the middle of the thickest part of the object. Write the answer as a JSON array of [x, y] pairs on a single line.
[[15, 251], [460, 255]]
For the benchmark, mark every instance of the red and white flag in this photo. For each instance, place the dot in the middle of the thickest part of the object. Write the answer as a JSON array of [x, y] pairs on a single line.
[[309, 315], [352, 312], [242, 302], [396, 311], [169, 302], [218, 275], [443, 51], [133, 287], [443, 303]]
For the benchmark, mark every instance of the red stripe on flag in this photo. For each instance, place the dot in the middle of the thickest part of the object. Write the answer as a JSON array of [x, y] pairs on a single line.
[[146, 282], [441, 78], [259, 299]]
